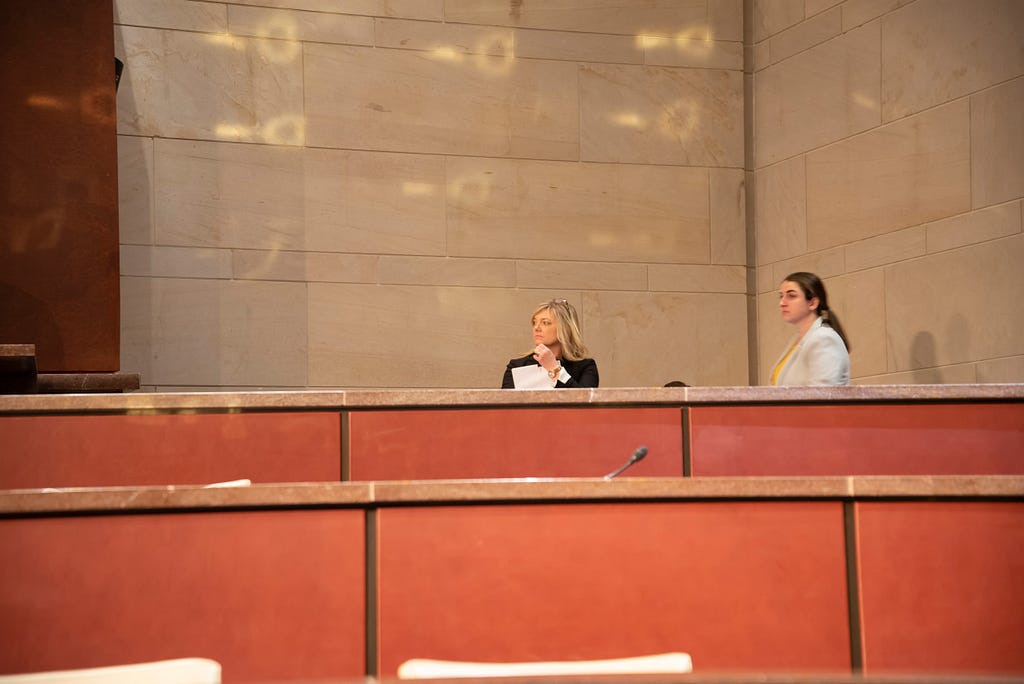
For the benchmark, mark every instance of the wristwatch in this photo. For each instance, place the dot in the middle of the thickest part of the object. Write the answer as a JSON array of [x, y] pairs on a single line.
[[555, 373]]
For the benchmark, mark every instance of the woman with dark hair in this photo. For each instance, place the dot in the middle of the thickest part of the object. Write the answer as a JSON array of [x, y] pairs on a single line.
[[557, 348], [820, 353]]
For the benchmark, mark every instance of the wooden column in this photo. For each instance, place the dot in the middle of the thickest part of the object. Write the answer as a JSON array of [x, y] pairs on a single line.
[[59, 279]]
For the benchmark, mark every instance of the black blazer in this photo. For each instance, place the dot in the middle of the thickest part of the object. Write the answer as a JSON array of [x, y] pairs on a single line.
[[583, 373]]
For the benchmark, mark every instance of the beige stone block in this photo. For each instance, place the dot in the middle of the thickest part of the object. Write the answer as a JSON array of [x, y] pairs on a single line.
[[135, 204], [443, 102], [431, 10], [962, 374], [760, 55], [900, 175], [780, 210], [581, 47], [935, 51], [771, 16], [374, 202], [197, 332], [254, 264], [725, 20], [398, 270], [686, 278], [406, 336], [965, 315], [341, 268], [826, 264], [813, 7], [171, 14], [180, 84], [688, 52], [807, 34], [728, 216], [977, 226], [818, 96], [1009, 369], [291, 25], [499, 41], [647, 339], [580, 275], [577, 212], [886, 249], [600, 16], [766, 280], [175, 262], [857, 12], [661, 115], [454, 39], [997, 143], [229, 195]]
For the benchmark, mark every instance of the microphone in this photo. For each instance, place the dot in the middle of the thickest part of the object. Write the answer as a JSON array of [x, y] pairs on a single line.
[[637, 456]]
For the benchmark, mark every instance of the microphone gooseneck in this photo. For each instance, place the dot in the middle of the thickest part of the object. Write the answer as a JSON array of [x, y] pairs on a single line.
[[637, 456]]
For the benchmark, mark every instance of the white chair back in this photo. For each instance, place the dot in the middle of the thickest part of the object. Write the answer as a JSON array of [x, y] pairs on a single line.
[[177, 671]]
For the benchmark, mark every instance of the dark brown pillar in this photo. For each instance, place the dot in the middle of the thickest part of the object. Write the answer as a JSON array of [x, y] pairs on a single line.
[[59, 281]]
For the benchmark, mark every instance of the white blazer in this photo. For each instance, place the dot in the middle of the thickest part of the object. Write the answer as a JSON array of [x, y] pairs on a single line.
[[819, 359]]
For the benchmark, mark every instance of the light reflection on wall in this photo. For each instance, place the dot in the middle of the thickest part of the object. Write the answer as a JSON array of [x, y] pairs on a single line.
[[415, 189], [278, 44], [447, 54], [287, 129], [694, 42], [500, 45], [473, 189], [266, 263], [629, 120], [865, 101], [226, 40]]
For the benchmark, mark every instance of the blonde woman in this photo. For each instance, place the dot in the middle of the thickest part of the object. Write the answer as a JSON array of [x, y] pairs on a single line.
[[557, 348]]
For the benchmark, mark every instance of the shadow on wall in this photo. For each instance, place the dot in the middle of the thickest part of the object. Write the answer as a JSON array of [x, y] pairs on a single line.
[[922, 359], [923, 356]]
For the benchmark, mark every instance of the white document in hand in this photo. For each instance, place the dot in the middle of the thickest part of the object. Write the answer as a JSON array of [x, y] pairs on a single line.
[[531, 377]]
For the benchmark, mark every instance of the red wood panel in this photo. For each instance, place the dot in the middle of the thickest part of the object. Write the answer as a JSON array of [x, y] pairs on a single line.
[[90, 451], [272, 596], [738, 586], [535, 442], [942, 587], [907, 439]]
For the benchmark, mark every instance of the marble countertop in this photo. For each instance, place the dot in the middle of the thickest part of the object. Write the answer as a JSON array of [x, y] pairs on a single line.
[[530, 490], [471, 398]]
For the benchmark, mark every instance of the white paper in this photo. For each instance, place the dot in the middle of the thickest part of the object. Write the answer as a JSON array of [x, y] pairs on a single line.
[[531, 377]]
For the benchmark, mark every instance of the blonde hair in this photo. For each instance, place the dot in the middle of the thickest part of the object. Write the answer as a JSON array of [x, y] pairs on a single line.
[[567, 328]]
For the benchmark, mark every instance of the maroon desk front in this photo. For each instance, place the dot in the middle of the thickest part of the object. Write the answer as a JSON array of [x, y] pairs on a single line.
[[271, 595], [512, 442], [278, 582], [172, 448], [942, 586], [110, 441], [857, 439], [720, 581]]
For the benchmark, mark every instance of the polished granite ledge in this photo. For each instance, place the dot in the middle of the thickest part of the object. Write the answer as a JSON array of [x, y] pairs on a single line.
[[144, 402], [529, 490]]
